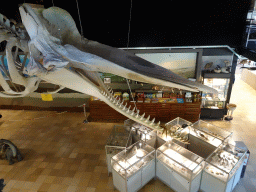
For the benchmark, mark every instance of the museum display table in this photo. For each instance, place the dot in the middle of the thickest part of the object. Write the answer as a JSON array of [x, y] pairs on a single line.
[[223, 169], [134, 167], [119, 139], [178, 167], [185, 156]]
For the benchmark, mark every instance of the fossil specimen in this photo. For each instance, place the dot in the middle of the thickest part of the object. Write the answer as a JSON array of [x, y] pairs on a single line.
[[58, 54]]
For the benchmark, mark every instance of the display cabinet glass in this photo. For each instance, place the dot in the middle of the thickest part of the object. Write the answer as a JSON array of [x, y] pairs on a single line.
[[210, 133], [119, 139], [221, 85], [180, 163], [138, 131], [173, 128], [223, 168], [134, 167]]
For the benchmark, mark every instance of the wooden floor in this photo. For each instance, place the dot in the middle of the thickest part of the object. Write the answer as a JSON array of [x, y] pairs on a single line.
[[63, 154]]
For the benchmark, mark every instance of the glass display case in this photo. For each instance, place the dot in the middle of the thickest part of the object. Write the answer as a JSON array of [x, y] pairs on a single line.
[[172, 131], [223, 168], [119, 139], [221, 85], [178, 167], [210, 133], [134, 167], [214, 106], [138, 131]]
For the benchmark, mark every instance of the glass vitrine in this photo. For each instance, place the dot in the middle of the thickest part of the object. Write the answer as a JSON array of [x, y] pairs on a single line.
[[134, 167], [139, 131], [225, 166], [119, 139], [173, 128], [210, 133], [178, 167], [221, 85]]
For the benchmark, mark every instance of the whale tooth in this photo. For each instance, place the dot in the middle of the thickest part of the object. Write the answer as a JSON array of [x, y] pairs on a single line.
[[158, 125], [147, 119], [122, 102], [120, 105], [128, 110], [132, 113], [114, 101], [109, 97], [124, 106], [137, 115], [152, 122], [142, 116]]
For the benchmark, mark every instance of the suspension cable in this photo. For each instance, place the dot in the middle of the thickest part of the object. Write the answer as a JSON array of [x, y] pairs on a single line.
[[129, 29], [82, 34], [131, 94]]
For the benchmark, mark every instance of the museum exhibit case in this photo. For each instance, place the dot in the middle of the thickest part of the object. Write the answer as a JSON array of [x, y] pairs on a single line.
[[178, 167], [139, 131], [220, 82], [134, 167], [210, 133], [118, 140], [223, 169], [218, 71], [173, 127]]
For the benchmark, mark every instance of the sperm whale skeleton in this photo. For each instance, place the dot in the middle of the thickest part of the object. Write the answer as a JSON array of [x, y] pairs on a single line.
[[58, 54]]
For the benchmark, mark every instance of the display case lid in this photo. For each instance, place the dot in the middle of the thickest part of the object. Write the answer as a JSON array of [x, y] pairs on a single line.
[[212, 130], [133, 154], [181, 155], [226, 157], [178, 122], [119, 137], [134, 125]]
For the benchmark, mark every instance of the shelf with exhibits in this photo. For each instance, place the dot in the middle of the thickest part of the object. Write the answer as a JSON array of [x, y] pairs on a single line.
[[174, 161], [210, 133], [223, 169], [118, 140], [133, 167], [221, 85]]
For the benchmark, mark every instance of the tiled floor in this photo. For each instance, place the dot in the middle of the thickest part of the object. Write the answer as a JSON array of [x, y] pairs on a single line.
[[63, 154]]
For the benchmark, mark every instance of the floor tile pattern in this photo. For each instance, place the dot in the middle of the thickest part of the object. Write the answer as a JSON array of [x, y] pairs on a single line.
[[63, 154]]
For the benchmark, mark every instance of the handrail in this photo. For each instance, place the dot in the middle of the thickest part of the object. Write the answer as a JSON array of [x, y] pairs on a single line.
[[187, 47]]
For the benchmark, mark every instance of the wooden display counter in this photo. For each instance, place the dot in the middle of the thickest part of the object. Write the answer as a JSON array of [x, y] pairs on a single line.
[[164, 112]]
